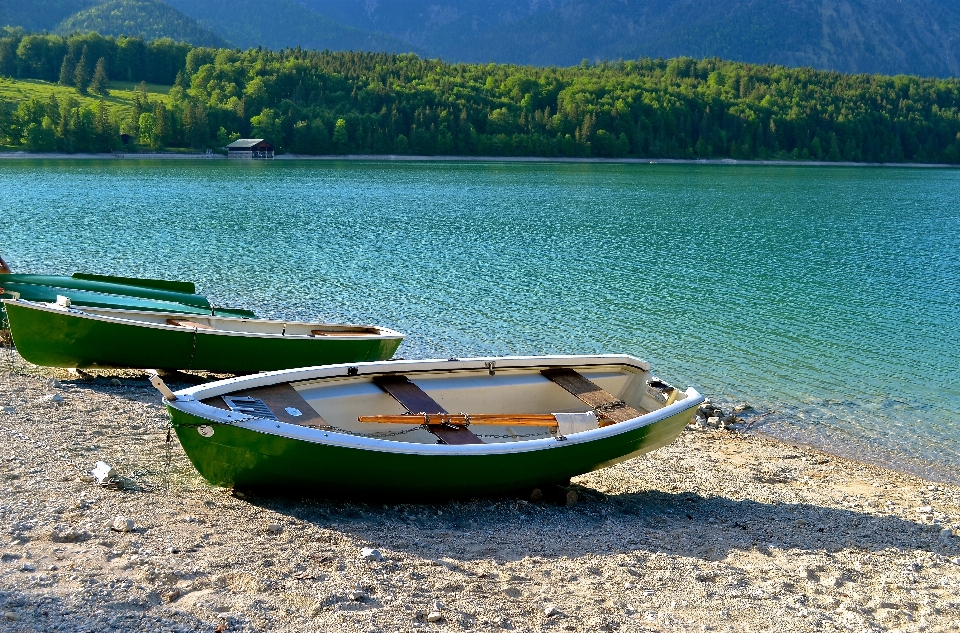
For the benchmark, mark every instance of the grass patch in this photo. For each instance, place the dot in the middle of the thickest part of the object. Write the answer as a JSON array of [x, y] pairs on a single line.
[[13, 91], [119, 101]]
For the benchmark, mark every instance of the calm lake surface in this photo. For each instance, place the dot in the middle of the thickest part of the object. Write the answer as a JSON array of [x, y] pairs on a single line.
[[828, 296]]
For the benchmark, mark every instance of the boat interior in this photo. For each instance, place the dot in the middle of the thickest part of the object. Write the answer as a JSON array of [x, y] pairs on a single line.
[[203, 323], [469, 406]]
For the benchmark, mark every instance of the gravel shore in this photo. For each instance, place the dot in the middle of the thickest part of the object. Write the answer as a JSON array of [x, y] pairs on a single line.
[[720, 531]]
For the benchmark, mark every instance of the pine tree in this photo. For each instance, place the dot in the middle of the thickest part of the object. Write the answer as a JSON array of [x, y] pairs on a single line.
[[100, 83], [5, 123], [81, 76], [340, 136], [66, 70], [105, 136], [162, 129]]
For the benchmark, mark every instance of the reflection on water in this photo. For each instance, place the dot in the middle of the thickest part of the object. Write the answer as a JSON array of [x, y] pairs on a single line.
[[827, 294]]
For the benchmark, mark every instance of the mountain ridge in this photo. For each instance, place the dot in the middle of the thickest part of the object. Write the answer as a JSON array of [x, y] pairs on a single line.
[[278, 24], [152, 19], [920, 37], [854, 36]]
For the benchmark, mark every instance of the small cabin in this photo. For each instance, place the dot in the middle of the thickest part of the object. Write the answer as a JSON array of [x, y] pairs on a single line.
[[250, 148]]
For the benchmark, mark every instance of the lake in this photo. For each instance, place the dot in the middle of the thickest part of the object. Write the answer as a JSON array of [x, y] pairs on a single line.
[[826, 297]]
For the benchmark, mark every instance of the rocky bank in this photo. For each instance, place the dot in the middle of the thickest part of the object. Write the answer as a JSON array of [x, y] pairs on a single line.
[[720, 531]]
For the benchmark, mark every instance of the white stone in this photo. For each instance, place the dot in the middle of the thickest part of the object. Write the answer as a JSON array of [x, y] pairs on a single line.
[[925, 510], [55, 398], [371, 554], [122, 524], [551, 611], [356, 596], [28, 567], [102, 472], [946, 533], [274, 528], [434, 616], [115, 382], [10, 615]]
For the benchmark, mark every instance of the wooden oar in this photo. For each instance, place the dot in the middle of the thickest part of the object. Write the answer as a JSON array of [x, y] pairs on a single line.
[[453, 419]]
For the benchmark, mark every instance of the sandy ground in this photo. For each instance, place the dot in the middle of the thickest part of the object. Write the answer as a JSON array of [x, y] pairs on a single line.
[[721, 531]]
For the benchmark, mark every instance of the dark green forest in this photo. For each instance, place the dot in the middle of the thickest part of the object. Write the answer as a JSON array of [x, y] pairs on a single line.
[[309, 102], [149, 18]]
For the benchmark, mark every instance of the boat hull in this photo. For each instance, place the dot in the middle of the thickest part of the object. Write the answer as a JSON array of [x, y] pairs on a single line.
[[59, 338], [239, 457], [111, 292]]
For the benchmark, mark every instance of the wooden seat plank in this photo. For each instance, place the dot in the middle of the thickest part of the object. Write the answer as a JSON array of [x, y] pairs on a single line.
[[409, 395], [278, 398], [416, 400], [605, 404]]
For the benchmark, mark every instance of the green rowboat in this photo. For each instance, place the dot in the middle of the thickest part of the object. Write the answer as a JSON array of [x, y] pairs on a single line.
[[58, 335], [104, 291], [427, 429]]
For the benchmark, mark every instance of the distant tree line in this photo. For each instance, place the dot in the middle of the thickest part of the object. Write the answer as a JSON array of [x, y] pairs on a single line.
[[339, 102]]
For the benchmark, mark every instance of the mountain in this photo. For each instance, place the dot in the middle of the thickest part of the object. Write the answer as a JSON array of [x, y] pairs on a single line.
[[151, 18], [856, 36], [451, 28], [280, 24], [38, 15], [919, 37]]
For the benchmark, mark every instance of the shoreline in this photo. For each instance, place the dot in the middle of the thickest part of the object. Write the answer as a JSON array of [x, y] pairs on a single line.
[[469, 159], [718, 531]]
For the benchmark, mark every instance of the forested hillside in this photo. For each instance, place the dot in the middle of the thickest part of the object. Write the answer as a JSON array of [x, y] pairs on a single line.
[[316, 103], [151, 19], [39, 15]]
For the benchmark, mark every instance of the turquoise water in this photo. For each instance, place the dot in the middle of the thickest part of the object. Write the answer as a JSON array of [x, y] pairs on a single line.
[[826, 295]]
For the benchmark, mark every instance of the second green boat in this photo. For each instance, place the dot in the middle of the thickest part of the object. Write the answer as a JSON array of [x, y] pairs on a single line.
[[64, 336]]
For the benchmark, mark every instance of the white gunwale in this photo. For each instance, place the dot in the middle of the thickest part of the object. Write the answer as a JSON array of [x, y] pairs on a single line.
[[189, 402]]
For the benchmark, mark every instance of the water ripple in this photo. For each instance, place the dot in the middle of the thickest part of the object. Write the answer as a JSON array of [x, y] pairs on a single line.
[[827, 294]]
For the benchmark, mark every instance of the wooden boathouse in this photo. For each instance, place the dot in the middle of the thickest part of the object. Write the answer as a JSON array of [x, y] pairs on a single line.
[[249, 148]]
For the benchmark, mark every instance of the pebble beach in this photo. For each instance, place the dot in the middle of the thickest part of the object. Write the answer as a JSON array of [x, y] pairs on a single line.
[[720, 531]]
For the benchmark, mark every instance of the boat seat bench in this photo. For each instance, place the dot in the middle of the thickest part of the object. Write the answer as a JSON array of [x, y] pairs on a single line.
[[278, 399], [608, 407], [416, 400]]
